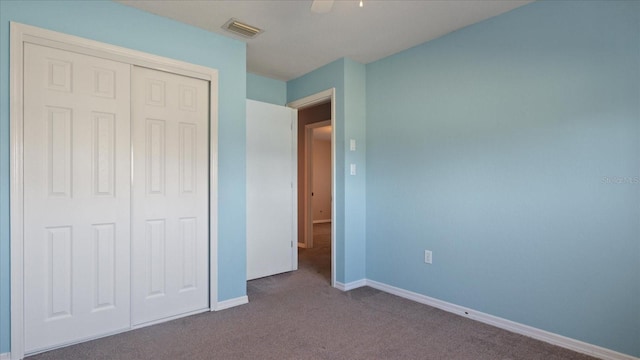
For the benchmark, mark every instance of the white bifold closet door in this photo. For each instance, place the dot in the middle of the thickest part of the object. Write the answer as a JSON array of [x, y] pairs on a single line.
[[170, 195], [76, 197], [115, 196]]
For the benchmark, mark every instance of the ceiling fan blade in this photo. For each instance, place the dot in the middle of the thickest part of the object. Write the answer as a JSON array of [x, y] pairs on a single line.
[[321, 6]]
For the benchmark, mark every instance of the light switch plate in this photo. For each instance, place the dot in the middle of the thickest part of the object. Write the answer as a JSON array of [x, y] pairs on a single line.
[[428, 257], [352, 144]]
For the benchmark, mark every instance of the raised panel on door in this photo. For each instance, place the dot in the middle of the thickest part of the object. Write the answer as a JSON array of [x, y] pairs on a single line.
[[170, 195], [271, 207], [76, 198]]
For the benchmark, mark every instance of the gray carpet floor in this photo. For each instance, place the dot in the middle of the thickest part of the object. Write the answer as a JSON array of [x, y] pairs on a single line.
[[298, 315]]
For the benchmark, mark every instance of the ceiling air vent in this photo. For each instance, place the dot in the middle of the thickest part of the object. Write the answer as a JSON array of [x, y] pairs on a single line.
[[241, 29]]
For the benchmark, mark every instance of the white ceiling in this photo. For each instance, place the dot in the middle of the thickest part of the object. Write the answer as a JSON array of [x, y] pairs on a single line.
[[296, 41]]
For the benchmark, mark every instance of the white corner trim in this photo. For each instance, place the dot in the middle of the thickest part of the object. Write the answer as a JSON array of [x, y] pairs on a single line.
[[226, 304], [526, 330], [350, 286], [5, 356]]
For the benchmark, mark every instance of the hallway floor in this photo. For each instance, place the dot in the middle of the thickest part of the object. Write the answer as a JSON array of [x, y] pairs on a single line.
[[318, 258]]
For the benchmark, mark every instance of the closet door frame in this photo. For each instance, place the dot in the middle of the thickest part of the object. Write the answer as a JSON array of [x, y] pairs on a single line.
[[21, 34]]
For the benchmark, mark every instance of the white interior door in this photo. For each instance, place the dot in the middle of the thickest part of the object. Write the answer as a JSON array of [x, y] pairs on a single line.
[[170, 195], [271, 189], [76, 202]]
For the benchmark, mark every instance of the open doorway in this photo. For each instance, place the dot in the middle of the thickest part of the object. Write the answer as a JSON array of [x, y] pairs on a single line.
[[319, 163], [316, 177], [315, 244]]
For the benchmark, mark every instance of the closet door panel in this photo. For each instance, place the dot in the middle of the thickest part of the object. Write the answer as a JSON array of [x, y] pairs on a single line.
[[77, 197], [170, 195]]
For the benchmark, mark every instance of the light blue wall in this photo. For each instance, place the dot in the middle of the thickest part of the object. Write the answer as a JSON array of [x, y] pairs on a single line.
[[124, 26], [355, 196], [267, 90], [348, 78], [510, 149]]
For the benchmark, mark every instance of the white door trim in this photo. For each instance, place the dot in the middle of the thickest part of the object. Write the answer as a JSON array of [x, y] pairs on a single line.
[[329, 94], [21, 34], [294, 189]]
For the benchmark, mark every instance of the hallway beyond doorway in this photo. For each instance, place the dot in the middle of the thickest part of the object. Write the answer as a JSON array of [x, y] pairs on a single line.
[[318, 258]]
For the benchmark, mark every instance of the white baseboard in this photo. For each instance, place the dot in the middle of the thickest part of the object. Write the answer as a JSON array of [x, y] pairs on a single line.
[[350, 286], [321, 221], [5, 356], [505, 324], [155, 322], [226, 304]]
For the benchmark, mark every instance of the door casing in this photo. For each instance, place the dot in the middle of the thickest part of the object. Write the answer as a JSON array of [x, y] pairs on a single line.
[[311, 100], [21, 34]]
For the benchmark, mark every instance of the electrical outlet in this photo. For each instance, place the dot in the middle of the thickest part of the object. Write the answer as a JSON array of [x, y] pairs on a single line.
[[428, 257]]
